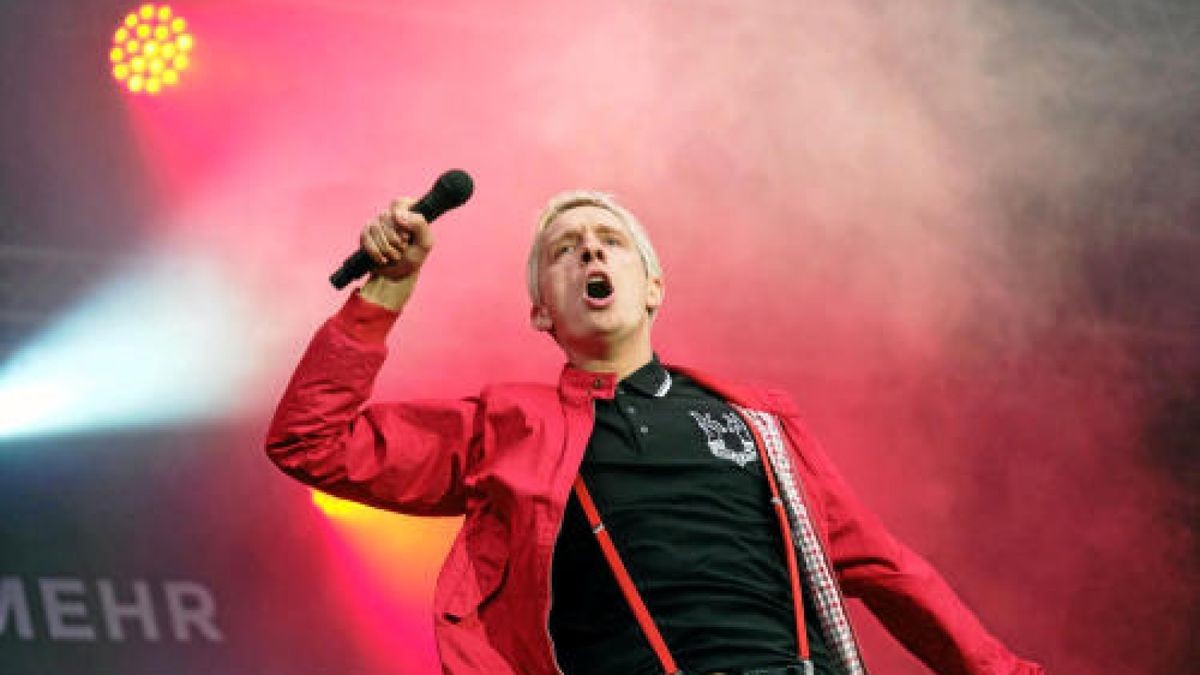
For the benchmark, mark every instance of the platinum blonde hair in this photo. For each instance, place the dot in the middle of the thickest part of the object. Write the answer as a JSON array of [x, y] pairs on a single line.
[[564, 201]]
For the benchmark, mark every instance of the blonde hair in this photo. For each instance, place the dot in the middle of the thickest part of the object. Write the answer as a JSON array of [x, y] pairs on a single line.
[[564, 201]]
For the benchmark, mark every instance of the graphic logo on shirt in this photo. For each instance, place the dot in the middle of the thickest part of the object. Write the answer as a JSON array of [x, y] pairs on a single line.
[[731, 440]]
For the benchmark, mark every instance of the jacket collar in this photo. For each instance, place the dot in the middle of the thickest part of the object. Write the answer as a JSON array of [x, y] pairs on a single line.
[[747, 396], [575, 384]]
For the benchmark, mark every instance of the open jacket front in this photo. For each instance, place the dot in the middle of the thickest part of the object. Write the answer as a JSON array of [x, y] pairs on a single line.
[[506, 460]]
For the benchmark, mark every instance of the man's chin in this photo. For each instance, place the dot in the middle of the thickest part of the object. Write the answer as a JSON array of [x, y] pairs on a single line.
[[591, 336]]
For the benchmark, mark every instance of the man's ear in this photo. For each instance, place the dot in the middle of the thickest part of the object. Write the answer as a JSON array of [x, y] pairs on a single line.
[[539, 318], [654, 295]]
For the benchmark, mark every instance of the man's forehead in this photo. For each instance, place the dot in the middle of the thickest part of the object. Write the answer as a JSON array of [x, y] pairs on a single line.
[[583, 216]]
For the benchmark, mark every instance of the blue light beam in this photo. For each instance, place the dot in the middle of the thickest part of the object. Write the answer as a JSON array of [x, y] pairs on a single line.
[[164, 342]]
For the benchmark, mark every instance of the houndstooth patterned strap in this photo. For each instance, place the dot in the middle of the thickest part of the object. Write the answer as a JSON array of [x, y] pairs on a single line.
[[835, 624]]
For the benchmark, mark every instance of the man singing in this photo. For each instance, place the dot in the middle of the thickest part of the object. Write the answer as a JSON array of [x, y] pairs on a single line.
[[635, 518]]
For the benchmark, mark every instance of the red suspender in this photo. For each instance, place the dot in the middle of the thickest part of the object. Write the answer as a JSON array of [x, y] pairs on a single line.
[[634, 599], [622, 575]]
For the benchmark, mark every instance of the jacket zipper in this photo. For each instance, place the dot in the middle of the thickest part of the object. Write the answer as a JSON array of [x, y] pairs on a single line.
[[553, 546]]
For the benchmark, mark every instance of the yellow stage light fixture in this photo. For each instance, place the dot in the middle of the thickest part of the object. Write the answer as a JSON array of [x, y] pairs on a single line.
[[150, 49]]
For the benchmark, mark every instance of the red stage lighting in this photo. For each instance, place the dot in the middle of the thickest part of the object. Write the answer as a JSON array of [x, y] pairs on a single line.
[[150, 48]]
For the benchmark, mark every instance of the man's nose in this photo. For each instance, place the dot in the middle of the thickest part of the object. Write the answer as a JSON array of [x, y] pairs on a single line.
[[591, 250]]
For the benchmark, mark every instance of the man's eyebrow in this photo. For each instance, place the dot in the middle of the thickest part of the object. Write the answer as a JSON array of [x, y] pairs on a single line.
[[605, 228]]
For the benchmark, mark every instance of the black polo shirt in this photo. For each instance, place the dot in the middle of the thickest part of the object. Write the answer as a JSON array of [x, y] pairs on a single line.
[[678, 482]]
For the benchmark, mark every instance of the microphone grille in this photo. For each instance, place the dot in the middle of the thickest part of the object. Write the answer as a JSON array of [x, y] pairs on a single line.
[[454, 188]]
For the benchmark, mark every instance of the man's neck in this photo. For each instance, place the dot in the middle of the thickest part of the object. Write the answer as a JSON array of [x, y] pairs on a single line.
[[623, 362]]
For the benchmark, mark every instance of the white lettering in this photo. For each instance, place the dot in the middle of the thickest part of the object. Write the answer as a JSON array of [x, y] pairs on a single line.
[[141, 610], [14, 602], [59, 608], [191, 604], [70, 611]]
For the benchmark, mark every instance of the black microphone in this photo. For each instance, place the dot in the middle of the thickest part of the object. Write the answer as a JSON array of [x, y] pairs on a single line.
[[451, 190]]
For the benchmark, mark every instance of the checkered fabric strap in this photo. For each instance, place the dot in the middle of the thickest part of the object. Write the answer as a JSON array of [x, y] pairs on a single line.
[[818, 575]]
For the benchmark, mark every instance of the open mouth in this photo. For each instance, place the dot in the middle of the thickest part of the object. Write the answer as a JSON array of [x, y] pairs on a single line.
[[598, 287], [598, 292]]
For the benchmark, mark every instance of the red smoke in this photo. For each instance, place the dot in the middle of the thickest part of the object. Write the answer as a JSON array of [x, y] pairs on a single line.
[[831, 189]]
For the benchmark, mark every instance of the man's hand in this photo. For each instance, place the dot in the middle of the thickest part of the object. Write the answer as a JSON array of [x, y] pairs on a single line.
[[399, 241]]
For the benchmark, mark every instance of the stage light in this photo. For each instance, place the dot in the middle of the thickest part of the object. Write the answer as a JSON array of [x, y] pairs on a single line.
[[163, 342], [151, 39], [338, 508]]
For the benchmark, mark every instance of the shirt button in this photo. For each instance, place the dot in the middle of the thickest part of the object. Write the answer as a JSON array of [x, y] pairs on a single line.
[[631, 410], [597, 383], [644, 429]]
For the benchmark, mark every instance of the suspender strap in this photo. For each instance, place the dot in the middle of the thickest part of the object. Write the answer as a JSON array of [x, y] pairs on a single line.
[[789, 548], [632, 597]]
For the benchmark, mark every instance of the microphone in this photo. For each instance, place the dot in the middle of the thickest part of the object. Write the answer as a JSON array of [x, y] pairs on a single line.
[[451, 190]]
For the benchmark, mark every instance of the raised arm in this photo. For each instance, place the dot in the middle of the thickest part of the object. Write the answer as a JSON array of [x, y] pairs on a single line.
[[409, 457]]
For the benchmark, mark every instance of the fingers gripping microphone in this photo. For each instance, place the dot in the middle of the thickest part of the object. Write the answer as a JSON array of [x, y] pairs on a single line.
[[451, 190]]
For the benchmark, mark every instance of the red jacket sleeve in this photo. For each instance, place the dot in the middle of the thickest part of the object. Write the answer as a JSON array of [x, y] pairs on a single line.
[[409, 457], [900, 588]]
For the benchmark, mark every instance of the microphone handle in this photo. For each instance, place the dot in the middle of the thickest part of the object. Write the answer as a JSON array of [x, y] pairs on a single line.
[[360, 263]]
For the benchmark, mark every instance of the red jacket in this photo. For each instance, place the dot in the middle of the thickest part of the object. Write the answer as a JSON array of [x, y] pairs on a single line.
[[506, 460]]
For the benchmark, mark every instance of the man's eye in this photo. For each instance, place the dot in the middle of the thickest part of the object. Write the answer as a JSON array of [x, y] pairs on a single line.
[[563, 249]]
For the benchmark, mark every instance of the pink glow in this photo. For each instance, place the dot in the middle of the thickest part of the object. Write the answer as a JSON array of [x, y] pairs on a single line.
[[384, 588], [824, 227]]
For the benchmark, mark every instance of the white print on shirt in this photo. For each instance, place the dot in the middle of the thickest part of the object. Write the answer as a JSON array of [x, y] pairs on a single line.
[[717, 433]]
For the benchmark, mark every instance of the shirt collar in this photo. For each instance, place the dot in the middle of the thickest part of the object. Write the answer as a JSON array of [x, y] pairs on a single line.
[[651, 379]]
